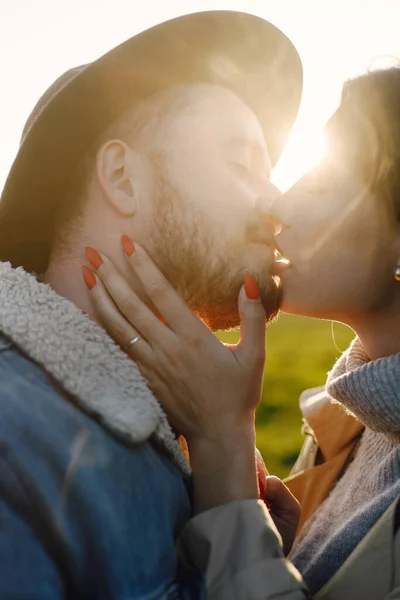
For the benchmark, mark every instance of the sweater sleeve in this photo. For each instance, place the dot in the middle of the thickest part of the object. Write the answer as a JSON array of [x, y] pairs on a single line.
[[237, 548]]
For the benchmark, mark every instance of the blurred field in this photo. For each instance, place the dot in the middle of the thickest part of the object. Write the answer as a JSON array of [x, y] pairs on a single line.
[[300, 353]]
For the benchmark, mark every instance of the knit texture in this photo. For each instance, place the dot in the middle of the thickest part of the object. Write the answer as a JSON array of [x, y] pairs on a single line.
[[370, 390]]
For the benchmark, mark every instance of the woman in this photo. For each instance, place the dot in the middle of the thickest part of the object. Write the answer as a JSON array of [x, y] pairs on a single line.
[[341, 233]]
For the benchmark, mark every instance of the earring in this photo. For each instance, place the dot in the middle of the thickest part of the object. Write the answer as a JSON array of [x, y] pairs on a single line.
[[397, 273]]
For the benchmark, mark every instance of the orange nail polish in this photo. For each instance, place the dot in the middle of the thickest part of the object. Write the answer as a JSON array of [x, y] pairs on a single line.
[[89, 278], [160, 317], [93, 257], [251, 287], [127, 245]]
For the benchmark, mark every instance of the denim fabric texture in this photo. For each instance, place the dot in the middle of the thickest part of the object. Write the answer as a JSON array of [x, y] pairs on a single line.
[[82, 515]]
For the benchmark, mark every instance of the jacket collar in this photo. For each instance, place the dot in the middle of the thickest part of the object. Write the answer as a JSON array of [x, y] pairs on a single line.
[[334, 429], [84, 360], [359, 393], [372, 569]]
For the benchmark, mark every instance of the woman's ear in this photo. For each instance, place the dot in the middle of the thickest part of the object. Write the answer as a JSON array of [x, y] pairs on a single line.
[[114, 169]]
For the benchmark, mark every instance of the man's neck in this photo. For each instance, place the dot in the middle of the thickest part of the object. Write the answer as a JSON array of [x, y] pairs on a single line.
[[65, 277]]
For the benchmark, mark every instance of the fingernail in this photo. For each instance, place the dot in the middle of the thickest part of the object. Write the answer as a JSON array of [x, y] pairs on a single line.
[[251, 287], [93, 257], [127, 245], [89, 277], [262, 488], [160, 317]]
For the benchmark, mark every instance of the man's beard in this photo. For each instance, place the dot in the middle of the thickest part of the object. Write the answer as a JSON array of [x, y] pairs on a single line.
[[185, 247]]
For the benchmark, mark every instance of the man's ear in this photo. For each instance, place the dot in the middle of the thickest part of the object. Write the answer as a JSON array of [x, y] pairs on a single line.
[[114, 168]]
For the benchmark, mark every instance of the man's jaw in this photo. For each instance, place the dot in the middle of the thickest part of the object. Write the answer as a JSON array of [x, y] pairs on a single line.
[[224, 315]]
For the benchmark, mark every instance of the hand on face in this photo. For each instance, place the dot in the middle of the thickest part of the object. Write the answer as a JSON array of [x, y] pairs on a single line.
[[208, 390]]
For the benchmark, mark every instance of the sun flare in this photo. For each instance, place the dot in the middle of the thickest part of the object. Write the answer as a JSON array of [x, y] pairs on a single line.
[[304, 150]]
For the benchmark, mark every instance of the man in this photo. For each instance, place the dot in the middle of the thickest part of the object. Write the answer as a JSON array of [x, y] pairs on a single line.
[[168, 138]]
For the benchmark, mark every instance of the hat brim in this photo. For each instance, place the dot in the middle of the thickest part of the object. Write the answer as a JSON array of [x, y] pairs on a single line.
[[236, 50]]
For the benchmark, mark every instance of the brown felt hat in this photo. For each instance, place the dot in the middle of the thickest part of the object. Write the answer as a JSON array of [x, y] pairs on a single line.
[[241, 52]]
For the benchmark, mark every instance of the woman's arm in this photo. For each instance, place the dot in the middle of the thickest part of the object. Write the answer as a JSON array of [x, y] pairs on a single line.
[[224, 470], [237, 548], [210, 392], [233, 539]]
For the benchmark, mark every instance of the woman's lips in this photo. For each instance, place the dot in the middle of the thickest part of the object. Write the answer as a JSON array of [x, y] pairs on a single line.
[[280, 264], [267, 238]]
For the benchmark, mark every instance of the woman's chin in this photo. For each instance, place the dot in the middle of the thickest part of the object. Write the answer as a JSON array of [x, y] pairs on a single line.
[[299, 297], [308, 307], [298, 302]]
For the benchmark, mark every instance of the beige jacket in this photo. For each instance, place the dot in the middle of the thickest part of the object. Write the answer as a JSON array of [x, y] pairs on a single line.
[[238, 549], [332, 438]]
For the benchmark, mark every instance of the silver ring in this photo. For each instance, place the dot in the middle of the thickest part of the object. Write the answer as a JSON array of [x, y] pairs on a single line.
[[133, 341]]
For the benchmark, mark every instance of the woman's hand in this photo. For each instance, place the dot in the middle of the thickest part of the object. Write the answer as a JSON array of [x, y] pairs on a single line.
[[203, 385], [209, 390], [284, 508]]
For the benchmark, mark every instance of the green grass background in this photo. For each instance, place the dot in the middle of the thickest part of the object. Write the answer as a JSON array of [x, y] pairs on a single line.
[[300, 352]]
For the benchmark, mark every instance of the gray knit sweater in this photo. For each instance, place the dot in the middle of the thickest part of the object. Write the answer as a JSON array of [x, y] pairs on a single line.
[[371, 391]]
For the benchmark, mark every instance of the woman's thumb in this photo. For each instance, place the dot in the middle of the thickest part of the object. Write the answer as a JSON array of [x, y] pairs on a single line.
[[252, 323], [281, 498]]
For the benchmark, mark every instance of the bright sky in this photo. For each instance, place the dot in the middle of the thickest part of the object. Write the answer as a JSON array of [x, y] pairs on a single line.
[[40, 39]]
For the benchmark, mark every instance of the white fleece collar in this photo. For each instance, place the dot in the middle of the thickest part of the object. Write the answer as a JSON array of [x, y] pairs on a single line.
[[84, 360]]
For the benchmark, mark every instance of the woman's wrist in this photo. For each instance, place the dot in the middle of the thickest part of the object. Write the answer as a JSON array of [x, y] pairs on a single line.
[[224, 468]]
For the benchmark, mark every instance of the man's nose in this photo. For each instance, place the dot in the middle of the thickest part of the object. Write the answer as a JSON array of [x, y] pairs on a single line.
[[268, 193], [285, 209], [266, 214]]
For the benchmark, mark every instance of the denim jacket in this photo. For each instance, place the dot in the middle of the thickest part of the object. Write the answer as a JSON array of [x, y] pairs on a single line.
[[93, 486]]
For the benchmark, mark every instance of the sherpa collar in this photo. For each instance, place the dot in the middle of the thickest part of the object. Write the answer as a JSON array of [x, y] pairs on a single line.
[[84, 360]]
